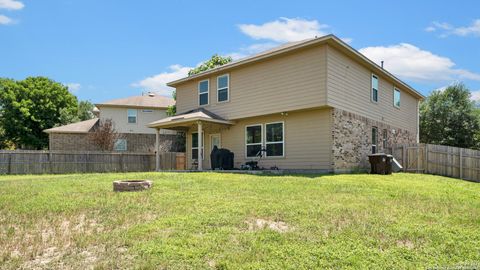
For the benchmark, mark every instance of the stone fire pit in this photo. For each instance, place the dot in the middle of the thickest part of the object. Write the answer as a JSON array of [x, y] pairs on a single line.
[[131, 185]]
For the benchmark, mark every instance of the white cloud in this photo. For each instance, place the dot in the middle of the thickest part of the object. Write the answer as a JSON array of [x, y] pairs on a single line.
[[476, 96], [11, 4], [158, 83], [473, 29], [412, 63], [73, 87], [285, 30], [252, 49], [5, 20], [447, 29]]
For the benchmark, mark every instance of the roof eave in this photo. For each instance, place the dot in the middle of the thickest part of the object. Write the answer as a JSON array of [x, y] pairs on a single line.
[[250, 59], [295, 47], [185, 121], [129, 106]]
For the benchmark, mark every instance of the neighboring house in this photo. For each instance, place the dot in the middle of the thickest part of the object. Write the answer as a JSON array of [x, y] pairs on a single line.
[[130, 117], [313, 105]]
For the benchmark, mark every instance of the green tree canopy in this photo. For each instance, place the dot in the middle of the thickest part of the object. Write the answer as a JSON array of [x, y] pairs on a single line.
[[448, 117], [214, 62], [85, 110], [172, 109], [32, 105]]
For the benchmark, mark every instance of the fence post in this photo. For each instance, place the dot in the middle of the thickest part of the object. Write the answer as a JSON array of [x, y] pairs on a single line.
[[404, 157], [122, 165], [461, 163], [426, 158], [10, 163], [418, 158]]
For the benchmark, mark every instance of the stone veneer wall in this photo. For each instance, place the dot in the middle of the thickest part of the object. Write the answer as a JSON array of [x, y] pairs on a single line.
[[352, 140], [135, 142]]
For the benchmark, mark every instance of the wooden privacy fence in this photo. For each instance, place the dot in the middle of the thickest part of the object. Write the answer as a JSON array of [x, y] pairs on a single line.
[[42, 162], [439, 160]]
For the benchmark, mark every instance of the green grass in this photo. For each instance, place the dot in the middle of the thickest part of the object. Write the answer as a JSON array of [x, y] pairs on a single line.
[[209, 220]]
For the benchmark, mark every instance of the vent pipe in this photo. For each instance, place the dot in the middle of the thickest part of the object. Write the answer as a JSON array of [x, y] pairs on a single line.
[[382, 64]]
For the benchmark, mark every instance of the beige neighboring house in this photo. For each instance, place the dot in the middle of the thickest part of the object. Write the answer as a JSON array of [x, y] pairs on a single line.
[[130, 117], [315, 105]]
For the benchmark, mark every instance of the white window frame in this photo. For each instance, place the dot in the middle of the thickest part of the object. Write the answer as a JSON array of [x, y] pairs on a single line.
[[202, 146], [246, 136], [400, 97], [116, 143], [220, 138], [371, 87], [283, 139], [136, 116], [208, 92], [228, 88]]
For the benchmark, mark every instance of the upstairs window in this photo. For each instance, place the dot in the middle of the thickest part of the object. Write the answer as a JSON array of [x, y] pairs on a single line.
[[222, 88], [274, 139], [374, 88], [203, 89], [396, 97], [132, 116], [253, 140]]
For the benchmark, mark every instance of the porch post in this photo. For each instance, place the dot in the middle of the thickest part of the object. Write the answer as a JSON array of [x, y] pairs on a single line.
[[157, 152], [200, 140]]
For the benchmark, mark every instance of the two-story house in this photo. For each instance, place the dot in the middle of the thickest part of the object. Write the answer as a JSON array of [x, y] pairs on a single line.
[[312, 105], [130, 117]]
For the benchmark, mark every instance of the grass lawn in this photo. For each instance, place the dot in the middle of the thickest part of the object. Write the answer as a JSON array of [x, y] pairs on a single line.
[[231, 221]]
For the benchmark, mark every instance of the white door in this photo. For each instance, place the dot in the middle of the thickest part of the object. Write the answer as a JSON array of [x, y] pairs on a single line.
[[215, 140]]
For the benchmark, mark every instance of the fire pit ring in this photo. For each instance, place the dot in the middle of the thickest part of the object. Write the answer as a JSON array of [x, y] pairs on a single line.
[[131, 185]]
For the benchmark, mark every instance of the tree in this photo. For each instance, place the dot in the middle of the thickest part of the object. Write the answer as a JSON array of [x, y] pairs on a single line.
[[104, 135], [85, 110], [172, 109], [447, 117], [214, 62], [32, 105]]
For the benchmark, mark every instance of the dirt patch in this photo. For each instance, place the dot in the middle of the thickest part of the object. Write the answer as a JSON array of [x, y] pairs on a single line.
[[405, 243], [260, 224]]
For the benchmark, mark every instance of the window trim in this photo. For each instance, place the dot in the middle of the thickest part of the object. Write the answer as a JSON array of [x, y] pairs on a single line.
[[246, 136], [371, 87], [283, 139], [210, 141], [120, 150], [208, 92], [376, 136], [400, 97], [385, 139], [228, 88], [202, 146], [136, 116]]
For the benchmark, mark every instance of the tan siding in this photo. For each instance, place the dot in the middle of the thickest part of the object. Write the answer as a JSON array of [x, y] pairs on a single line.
[[288, 82], [119, 117], [308, 140], [348, 86]]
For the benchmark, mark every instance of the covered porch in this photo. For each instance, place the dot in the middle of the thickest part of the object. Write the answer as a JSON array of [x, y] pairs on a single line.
[[199, 122]]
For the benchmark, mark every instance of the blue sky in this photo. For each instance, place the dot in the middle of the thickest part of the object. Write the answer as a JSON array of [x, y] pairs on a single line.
[[108, 49]]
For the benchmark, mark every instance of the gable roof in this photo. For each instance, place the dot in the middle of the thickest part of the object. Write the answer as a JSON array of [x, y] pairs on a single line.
[[292, 46], [147, 101], [188, 117], [79, 127]]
